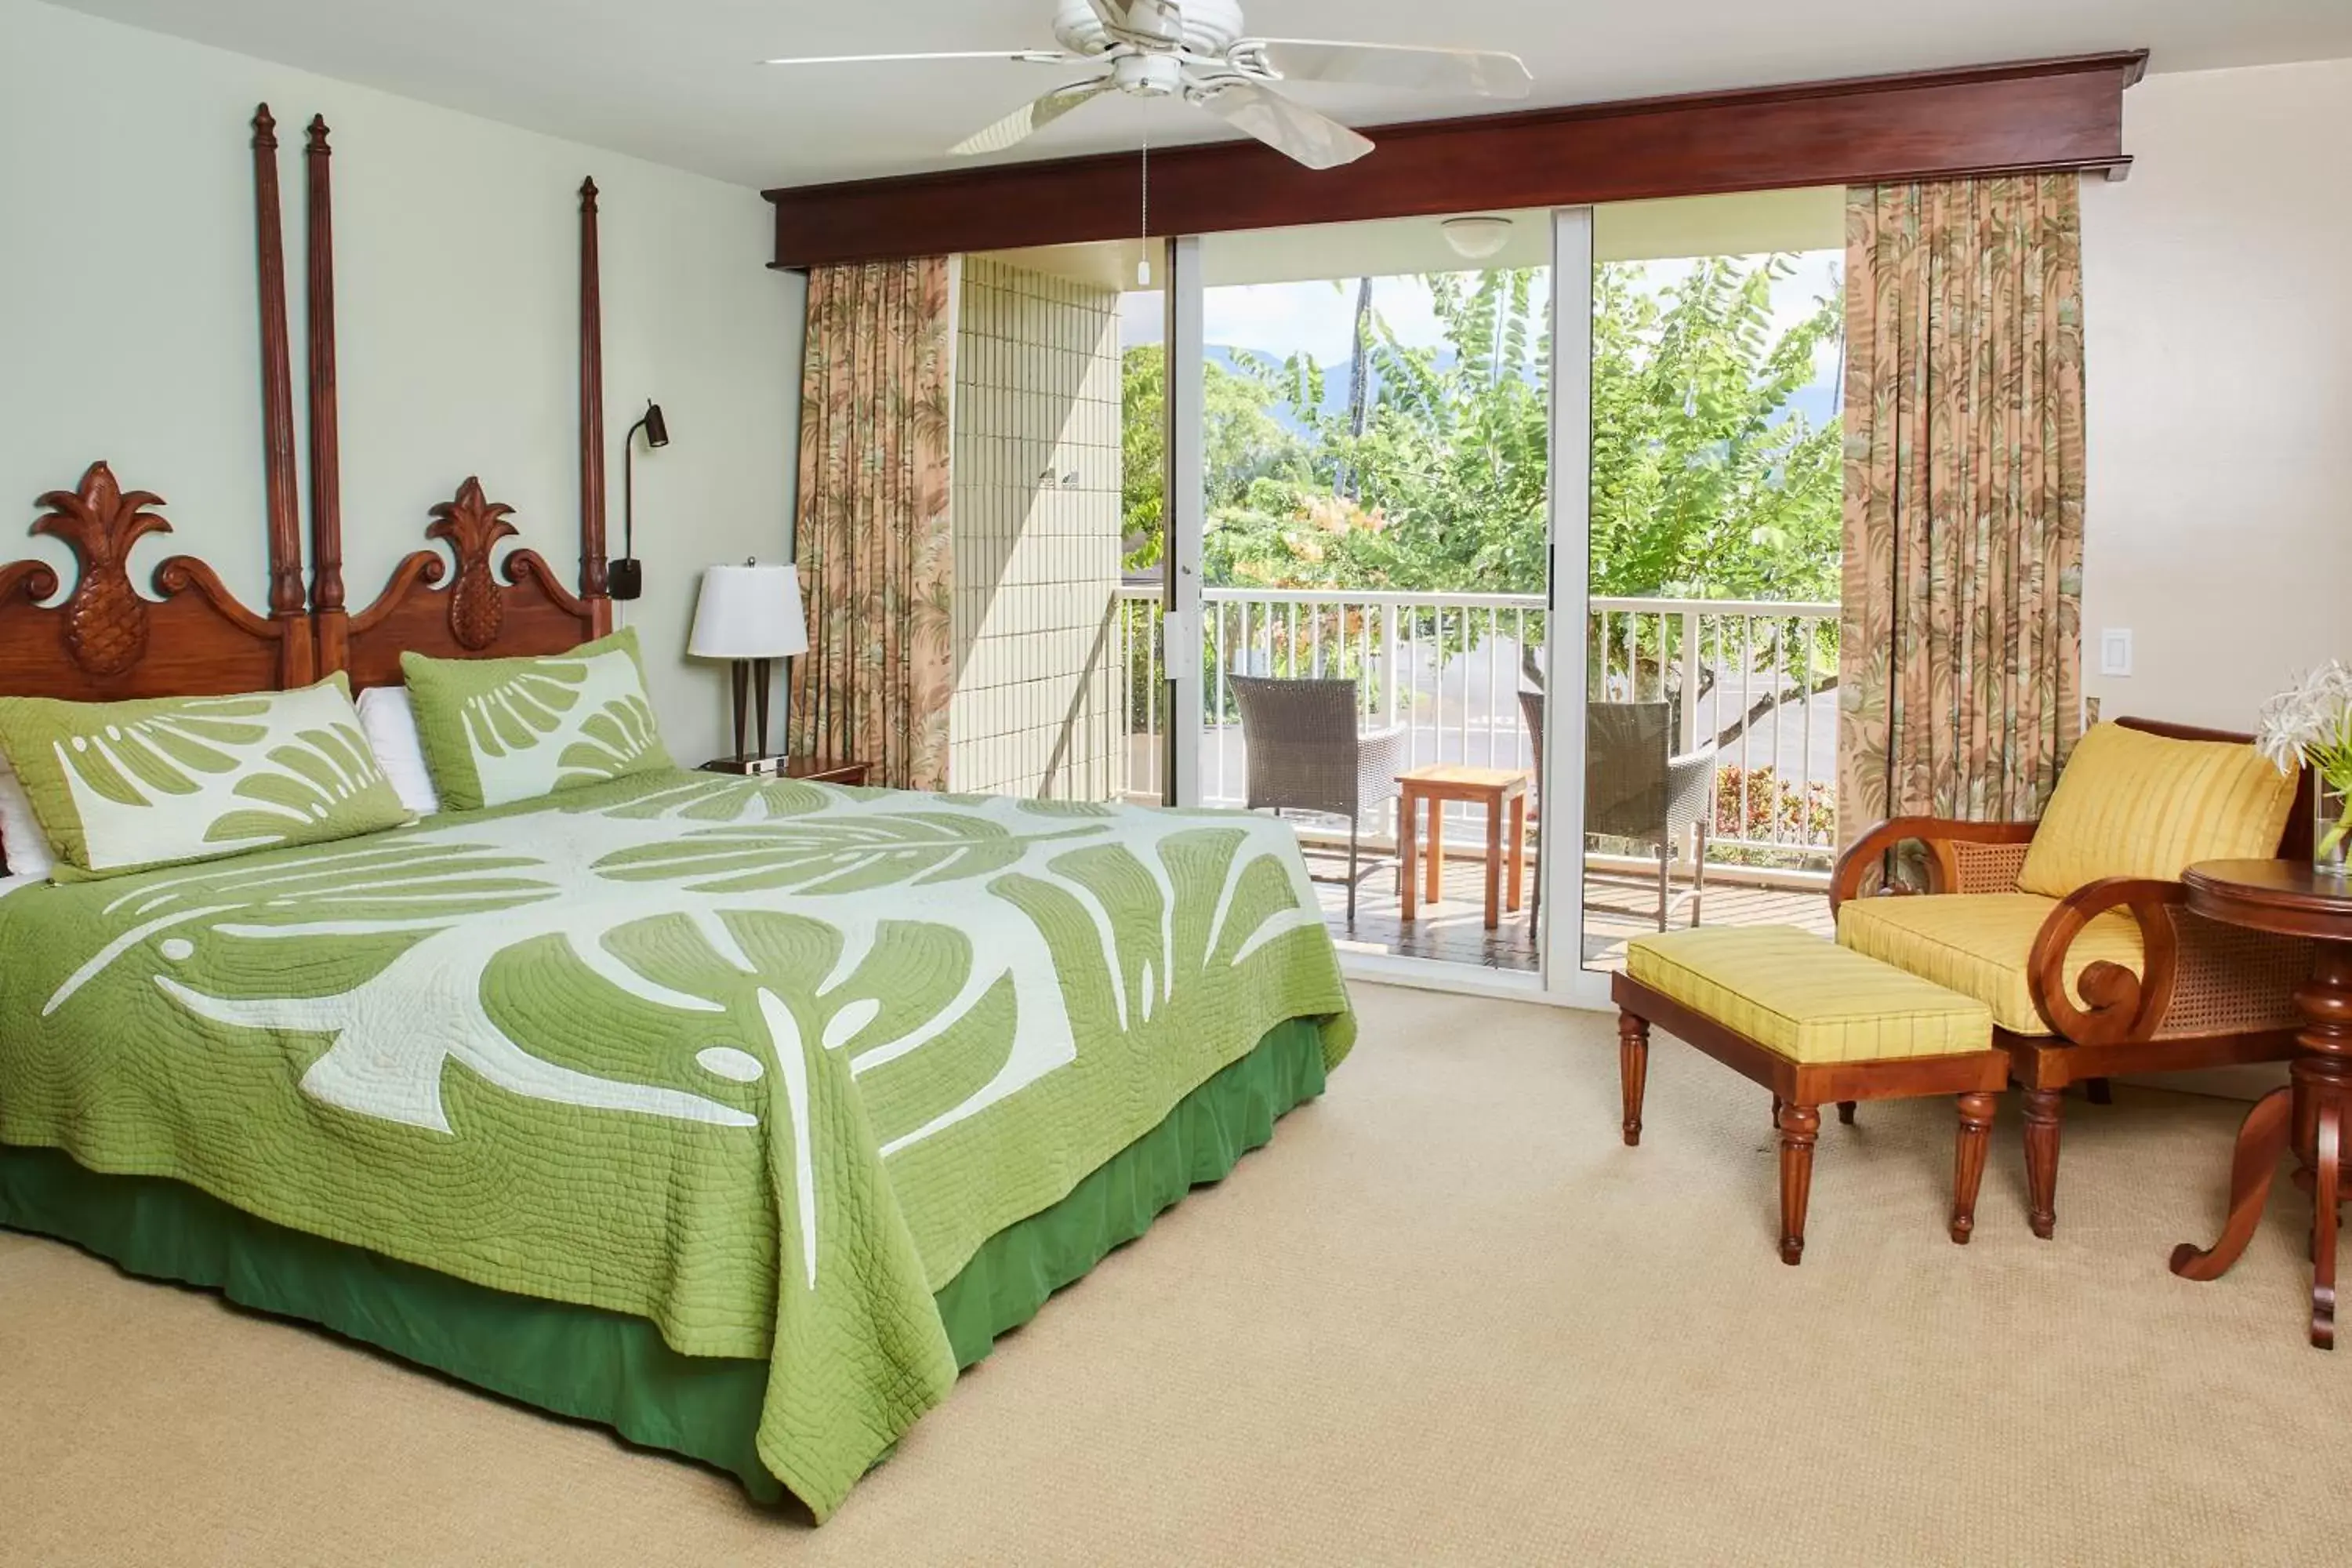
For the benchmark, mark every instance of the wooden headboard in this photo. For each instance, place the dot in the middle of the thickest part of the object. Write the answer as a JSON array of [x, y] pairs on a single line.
[[488, 606], [106, 640]]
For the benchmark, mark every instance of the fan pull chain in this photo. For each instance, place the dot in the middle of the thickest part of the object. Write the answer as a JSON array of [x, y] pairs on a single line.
[[1144, 266]]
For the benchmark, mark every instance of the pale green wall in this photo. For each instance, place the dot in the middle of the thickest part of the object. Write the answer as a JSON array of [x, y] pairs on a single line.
[[129, 322]]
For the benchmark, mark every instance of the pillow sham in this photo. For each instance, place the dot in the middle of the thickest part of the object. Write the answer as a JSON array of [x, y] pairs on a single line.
[[127, 787], [391, 725], [497, 730], [24, 847]]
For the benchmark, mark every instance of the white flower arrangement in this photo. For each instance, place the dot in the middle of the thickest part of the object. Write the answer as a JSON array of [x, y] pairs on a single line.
[[2310, 724]]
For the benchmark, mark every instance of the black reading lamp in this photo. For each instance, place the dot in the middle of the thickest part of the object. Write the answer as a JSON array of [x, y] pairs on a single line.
[[626, 578]]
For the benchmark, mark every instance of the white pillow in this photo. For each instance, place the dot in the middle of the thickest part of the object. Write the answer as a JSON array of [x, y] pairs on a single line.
[[390, 723], [21, 838]]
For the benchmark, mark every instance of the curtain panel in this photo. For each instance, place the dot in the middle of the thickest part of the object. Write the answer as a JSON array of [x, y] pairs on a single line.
[[1960, 658], [873, 541]]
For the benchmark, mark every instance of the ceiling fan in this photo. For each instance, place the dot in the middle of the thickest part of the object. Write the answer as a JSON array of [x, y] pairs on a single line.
[[1194, 48]]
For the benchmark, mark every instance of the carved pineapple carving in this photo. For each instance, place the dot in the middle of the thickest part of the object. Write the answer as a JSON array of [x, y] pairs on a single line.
[[473, 526], [106, 619]]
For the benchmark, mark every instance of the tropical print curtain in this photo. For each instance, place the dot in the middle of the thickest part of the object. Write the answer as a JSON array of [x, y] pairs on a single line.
[[875, 556], [1960, 679]]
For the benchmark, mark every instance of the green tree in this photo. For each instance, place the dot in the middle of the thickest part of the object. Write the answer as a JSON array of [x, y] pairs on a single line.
[[1705, 485], [1242, 442], [1706, 482]]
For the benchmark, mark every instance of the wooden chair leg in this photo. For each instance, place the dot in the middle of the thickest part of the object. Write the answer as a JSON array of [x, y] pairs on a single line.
[[1632, 1072], [2041, 1108], [1801, 1127], [1846, 1111], [1968, 1160]]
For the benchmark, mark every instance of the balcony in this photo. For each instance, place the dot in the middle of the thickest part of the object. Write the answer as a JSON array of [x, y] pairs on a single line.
[[1757, 678]]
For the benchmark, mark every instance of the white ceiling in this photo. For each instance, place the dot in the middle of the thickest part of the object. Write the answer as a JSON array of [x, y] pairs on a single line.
[[674, 81]]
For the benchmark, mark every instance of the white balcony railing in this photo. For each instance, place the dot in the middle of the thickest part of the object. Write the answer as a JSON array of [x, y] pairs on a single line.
[[1759, 677]]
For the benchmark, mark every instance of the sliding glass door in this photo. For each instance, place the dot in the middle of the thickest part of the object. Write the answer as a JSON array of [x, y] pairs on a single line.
[[1358, 567], [1711, 640]]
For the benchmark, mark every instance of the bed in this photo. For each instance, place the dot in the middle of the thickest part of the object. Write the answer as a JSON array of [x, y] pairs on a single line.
[[735, 1115]]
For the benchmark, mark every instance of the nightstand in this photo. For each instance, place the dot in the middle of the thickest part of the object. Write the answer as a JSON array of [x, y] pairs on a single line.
[[807, 768]]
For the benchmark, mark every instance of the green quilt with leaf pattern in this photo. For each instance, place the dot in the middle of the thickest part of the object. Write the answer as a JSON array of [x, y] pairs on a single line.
[[763, 1062]]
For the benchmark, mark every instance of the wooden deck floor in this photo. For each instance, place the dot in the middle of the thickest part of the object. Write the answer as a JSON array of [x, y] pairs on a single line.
[[1617, 908]]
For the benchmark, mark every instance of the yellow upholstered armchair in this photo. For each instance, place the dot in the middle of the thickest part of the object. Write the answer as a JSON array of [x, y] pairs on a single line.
[[2073, 929]]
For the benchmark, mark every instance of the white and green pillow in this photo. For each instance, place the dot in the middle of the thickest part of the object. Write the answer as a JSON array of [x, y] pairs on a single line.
[[127, 787], [497, 730]]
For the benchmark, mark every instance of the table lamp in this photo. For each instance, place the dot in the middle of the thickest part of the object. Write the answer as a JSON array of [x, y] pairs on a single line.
[[750, 616]]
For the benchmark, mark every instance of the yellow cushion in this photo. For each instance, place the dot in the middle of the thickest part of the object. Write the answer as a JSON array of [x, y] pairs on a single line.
[[1977, 943], [1806, 999], [2135, 804]]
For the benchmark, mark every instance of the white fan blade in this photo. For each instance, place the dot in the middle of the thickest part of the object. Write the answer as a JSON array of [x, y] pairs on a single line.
[[1291, 129], [1161, 20], [1030, 118], [1484, 72], [1024, 57]]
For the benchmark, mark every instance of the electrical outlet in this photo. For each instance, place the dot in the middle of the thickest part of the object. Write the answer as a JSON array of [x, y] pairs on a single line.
[[2116, 651]]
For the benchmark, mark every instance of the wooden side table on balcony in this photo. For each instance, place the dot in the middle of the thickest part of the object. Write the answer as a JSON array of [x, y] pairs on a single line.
[[1503, 791], [2289, 898]]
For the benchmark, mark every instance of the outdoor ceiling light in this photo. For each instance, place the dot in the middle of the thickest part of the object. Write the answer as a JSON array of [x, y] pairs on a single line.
[[1476, 238]]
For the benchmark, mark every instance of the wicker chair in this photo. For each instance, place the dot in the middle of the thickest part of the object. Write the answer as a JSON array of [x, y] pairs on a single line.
[[1635, 787], [2120, 977], [1307, 754]]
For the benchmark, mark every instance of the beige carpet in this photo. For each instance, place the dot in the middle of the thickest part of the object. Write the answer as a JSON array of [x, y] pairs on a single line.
[[1445, 1317]]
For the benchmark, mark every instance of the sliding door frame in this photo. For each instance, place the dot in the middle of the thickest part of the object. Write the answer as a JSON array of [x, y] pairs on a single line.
[[1560, 860], [1184, 515]]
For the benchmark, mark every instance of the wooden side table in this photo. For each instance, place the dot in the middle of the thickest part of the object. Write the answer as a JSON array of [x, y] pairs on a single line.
[[808, 768], [2288, 897], [1501, 790]]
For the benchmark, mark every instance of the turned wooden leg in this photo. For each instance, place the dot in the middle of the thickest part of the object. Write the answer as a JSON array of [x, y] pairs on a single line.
[[2041, 1107], [1846, 1111], [1633, 1070], [1801, 1126], [1968, 1160]]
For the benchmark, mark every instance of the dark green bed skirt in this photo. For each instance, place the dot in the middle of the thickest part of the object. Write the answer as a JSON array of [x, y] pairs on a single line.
[[607, 1367]]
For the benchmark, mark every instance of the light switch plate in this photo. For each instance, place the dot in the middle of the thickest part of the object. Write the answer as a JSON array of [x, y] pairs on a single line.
[[2116, 651]]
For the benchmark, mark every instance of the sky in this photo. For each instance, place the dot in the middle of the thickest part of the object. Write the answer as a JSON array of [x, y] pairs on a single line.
[[1280, 318]]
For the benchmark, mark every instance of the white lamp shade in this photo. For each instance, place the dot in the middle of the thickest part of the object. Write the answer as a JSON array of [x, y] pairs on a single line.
[[748, 612]]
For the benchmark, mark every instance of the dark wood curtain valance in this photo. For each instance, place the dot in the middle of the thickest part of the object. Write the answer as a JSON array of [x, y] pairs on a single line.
[[2038, 116]]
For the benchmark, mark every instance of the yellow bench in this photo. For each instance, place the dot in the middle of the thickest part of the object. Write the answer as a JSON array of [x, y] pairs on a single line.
[[1816, 1024]]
